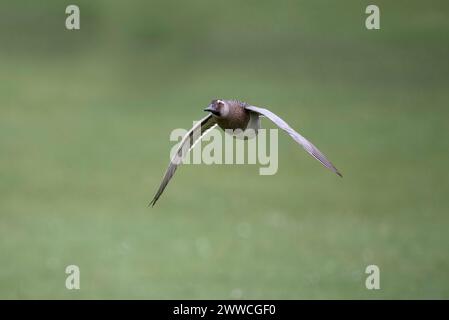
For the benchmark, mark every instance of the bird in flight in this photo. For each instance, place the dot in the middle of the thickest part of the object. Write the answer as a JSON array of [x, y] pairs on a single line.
[[234, 114]]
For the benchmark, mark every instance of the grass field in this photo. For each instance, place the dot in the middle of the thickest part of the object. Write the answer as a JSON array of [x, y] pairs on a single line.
[[85, 118]]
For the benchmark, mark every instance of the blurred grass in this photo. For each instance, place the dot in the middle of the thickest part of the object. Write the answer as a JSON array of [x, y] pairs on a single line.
[[85, 118]]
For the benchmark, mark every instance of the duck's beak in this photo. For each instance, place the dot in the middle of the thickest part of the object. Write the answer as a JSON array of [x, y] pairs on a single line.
[[211, 110]]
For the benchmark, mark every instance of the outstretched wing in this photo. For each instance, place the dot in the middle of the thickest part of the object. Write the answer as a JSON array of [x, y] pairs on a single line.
[[187, 143], [307, 145]]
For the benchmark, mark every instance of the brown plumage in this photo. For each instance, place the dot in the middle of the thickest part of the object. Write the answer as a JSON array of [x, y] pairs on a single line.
[[237, 117], [234, 114]]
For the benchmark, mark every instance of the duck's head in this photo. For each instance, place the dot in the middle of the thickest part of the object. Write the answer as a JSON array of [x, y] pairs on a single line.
[[218, 108]]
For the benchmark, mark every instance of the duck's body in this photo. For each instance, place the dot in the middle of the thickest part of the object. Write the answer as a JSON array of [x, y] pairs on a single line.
[[235, 116]]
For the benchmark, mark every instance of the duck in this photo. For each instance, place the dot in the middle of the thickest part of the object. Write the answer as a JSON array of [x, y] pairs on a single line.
[[234, 116]]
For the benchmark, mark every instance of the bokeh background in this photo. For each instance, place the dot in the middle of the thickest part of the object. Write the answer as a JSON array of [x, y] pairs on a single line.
[[85, 118]]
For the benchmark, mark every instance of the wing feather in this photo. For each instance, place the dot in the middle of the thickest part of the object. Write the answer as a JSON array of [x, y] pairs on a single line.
[[187, 143], [303, 142]]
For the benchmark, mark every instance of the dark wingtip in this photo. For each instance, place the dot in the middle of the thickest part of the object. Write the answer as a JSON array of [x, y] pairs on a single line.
[[339, 174], [152, 203]]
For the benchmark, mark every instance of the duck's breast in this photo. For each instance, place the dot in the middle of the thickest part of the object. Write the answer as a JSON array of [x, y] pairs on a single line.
[[237, 118]]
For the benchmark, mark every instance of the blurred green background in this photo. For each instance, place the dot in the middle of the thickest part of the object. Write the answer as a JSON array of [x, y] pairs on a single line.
[[85, 118]]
